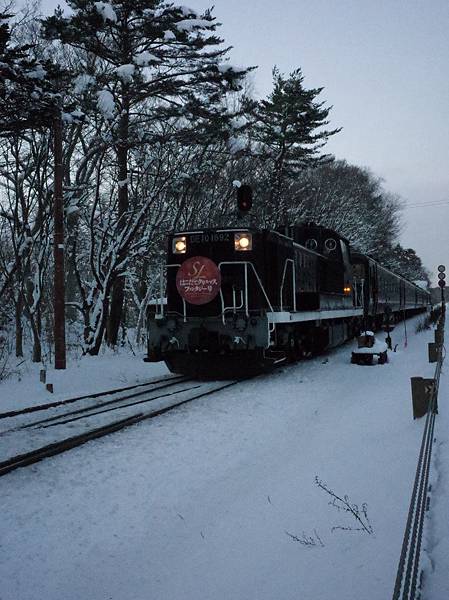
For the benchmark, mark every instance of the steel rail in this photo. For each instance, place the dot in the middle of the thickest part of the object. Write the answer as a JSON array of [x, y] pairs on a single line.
[[39, 407], [106, 410], [55, 448], [408, 569], [102, 404]]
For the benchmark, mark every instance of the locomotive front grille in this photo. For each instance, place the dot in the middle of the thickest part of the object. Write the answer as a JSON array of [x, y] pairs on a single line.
[[201, 338]]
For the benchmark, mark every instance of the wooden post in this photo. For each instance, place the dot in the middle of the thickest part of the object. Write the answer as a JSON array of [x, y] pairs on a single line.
[[439, 336], [58, 247]]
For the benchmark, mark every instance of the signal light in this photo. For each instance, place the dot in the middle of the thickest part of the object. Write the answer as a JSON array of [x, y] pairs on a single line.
[[244, 198], [441, 277]]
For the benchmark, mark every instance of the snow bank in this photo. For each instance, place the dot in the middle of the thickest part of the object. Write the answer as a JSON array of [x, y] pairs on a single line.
[[83, 376]]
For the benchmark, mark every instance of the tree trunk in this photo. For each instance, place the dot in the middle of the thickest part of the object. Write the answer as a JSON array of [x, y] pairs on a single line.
[[19, 329], [95, 347], [116, 312], [36, 325], [118, 287], [70, 268]]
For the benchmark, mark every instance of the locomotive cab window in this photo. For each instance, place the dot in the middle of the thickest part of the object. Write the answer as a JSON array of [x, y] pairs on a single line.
[[330, 244], [311, 244]]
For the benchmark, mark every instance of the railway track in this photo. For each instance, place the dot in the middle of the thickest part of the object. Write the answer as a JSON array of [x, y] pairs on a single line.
[[41, 407], [113, 404], [94, 421]]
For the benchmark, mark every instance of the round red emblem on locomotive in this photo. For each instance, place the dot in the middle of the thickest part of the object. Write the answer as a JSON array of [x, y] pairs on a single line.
[[198, 280]]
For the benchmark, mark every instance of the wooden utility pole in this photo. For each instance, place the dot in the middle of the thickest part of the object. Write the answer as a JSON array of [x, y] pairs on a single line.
[[58, 247]]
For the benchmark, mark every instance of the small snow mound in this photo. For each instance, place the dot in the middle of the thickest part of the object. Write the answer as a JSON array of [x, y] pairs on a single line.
[[187, 11], [145, 58], [375, 349], [106, 103], [106, 11], [37, 73], [82, 82], [236, 144], [238, 122], [125, 72], [226, 67], [191, 24]]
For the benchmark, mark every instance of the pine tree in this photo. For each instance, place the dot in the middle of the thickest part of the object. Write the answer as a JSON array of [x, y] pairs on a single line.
[[289, 133], [148, 62], [27, 93]]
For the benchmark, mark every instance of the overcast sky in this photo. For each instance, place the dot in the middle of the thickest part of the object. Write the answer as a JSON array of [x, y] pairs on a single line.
[[384, 65]]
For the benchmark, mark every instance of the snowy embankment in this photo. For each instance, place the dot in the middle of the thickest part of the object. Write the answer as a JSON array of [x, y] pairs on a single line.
[[219, 499], [86, 375], [436, 580]]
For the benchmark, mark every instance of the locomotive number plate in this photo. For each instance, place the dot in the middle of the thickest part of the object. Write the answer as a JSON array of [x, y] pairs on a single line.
[[201, 238]]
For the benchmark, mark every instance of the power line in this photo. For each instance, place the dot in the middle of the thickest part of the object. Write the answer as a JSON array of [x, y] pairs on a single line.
[[430, 204]]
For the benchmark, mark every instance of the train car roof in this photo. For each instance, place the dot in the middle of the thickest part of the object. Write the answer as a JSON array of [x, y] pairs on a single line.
[[359, 255], [214, 229]]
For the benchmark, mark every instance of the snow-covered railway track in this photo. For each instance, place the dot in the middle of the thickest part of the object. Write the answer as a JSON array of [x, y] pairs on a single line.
[[50, 405], [112, 404], [36, 434]]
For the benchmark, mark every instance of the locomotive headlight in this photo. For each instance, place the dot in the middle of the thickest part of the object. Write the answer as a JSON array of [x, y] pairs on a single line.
[[243, 241], [347, 289], [179, 245]]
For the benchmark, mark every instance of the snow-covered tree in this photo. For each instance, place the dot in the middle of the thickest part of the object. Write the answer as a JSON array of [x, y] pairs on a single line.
[[27, 85], [406, 262], [25, 230], [147, 63], [349, 199], [289, 133]]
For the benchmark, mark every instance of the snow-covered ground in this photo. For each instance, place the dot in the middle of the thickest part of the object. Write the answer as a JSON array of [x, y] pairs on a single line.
[[219, 499], [83, 376], [436, 581]]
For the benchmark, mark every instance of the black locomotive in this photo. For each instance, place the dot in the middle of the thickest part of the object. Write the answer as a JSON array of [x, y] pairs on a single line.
[[241, 299]]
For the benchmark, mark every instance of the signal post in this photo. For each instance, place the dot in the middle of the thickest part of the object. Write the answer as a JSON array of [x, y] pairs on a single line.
[[442, 285]]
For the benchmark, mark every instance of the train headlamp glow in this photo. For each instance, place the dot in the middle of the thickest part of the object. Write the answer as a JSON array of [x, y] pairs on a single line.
[[179, 245], [347, 289], [243, 241]]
